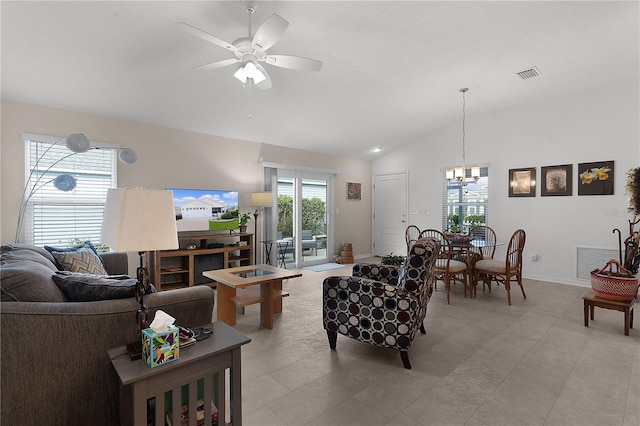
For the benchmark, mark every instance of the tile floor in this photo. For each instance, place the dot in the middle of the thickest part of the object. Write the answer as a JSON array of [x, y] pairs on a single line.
[[482, 362]]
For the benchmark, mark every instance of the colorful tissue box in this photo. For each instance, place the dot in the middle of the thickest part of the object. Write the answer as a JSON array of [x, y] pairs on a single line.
[[160, 348]]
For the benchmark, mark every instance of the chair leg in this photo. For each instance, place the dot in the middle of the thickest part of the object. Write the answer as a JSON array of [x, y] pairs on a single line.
[[333, 338], [404, 355], [507, 286], [519, 277], [447, 285]]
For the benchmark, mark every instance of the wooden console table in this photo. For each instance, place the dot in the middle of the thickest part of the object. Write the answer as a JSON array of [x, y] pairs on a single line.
[[206, 360], [592, 301]]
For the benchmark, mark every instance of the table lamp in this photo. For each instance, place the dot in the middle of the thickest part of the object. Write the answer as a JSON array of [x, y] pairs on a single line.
[[259, 200], [137, 219]]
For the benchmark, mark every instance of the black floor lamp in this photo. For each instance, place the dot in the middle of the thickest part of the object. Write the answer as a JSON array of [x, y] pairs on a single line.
[[259, 200]]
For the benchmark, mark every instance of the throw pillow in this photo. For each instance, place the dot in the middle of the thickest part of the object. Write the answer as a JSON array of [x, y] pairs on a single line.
[[86, 244], [80, 287], [83, 260]]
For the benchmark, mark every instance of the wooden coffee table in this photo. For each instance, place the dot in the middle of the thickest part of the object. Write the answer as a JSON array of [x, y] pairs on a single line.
[[256, 284]]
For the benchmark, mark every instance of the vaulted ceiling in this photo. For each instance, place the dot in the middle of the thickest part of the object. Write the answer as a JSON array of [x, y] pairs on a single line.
[[391, 71]]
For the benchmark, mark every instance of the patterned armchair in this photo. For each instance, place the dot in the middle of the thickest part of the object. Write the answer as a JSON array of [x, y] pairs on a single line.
[[381, 304]]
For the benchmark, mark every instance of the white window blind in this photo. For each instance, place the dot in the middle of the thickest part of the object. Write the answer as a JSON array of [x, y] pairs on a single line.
[[469, 202], [55, 217]]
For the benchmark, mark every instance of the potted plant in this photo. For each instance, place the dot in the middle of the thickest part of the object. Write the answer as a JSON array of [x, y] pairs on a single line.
[[454, 228], [243, 220], [393, 260]]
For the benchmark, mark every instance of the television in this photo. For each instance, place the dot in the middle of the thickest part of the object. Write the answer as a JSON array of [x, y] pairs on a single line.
[[205, 209]]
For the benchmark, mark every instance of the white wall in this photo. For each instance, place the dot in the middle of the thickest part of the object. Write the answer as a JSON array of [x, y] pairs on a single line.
[[597, 126], [176, 158]]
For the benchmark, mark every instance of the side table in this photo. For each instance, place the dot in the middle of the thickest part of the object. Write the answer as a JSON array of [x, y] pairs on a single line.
[[591, 301], [206, 360]]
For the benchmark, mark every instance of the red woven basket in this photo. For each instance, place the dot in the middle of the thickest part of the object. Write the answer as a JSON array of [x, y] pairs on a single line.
[[621, 285]]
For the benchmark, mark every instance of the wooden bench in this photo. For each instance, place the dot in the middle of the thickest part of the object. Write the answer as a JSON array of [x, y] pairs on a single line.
[[591, 301]]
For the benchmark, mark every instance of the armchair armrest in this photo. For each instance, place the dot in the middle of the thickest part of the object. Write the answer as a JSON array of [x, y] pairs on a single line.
[[387, 274]]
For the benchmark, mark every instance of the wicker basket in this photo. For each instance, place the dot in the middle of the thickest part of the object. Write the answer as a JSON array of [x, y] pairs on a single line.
[[621, 285]]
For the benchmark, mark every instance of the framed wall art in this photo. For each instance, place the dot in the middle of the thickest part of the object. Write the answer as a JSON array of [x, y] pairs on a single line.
[[354, 191], [595, 178], [522, 182], [556, 180]]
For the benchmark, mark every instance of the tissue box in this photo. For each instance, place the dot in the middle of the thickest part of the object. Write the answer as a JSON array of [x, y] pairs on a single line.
[[160, 348]]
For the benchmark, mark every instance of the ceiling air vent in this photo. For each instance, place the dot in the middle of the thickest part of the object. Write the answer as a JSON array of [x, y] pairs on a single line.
[[530, 73]]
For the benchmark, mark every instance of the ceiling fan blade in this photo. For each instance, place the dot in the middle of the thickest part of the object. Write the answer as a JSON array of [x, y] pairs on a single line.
[[266, 83], [206, 36], [269, 32], [294, 62], [216, 65]]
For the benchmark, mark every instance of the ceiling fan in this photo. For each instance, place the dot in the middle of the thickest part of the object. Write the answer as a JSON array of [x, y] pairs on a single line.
[[251, 51]]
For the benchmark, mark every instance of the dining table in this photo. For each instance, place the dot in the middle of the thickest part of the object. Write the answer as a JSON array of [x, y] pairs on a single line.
[[470, 252]]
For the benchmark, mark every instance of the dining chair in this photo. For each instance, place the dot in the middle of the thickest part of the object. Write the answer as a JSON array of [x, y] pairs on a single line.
[[503, 271], [447, 268], [411, 235], [488, 235]]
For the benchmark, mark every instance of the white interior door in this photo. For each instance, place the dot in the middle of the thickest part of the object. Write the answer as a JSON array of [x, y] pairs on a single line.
[[389, 214]]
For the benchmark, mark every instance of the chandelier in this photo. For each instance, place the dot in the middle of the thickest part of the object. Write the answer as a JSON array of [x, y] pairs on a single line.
[[460, 173]]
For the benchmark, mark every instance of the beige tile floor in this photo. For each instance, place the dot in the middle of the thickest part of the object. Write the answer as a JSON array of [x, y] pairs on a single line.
[[482, 362]]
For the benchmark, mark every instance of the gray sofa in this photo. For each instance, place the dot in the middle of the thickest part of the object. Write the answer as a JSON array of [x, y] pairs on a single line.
[[54, 364]]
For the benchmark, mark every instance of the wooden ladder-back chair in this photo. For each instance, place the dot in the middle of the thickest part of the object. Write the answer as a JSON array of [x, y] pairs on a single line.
[[502, 271], [411, 235], [447, 268], [487, 234]]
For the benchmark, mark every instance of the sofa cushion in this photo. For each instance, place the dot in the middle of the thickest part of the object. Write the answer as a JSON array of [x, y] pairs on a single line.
[[25, 278], [36, 254], [80, 287], [86, 245], [83, 260]]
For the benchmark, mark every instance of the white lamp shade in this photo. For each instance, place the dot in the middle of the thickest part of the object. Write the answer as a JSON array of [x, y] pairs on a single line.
[[262, 199], [137, 219]]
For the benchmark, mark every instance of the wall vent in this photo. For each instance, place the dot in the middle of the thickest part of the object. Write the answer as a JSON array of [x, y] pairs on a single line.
[[530, 73], [590, 258]]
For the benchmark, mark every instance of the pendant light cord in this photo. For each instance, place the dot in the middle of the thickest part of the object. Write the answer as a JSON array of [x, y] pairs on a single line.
[[464, 153]]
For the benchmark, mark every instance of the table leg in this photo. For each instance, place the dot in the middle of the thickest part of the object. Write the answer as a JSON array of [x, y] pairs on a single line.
[[266, 306], [593, 308], [586, 313], [277, 302], [627, 321], [267, 252], [226, 307]]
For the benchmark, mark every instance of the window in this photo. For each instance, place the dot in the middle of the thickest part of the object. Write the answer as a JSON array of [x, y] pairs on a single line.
[[470, 202], [56, 217]]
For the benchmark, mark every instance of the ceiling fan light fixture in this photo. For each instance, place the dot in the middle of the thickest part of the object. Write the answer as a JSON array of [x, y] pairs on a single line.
[[249, 70], [241, 74]]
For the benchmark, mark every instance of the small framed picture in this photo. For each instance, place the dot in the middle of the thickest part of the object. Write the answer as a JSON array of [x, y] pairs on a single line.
[[557, 180], [522, 182], [354, 191], [595, 178]]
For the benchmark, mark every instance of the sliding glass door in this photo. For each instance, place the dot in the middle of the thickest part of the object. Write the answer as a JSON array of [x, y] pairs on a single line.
[[303, 219]]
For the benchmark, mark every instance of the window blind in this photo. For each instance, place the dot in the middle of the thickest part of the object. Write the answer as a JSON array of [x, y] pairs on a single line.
[[58, 218]]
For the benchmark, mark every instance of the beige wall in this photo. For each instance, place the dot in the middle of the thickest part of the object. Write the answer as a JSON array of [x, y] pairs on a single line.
[[176, 158]]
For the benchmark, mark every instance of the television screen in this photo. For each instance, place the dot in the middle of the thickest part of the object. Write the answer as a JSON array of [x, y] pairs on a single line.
[[203, 210]]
